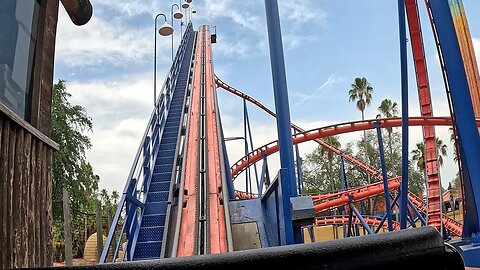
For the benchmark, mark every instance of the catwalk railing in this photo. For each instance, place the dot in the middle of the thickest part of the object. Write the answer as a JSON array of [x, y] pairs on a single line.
[[120, 244]]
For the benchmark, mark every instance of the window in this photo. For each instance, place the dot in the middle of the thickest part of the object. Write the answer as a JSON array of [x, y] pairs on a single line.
[[18, 40]]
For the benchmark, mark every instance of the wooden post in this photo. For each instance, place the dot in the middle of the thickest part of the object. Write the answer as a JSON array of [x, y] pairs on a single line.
[[99, 229], [68, 228], [86, 229]]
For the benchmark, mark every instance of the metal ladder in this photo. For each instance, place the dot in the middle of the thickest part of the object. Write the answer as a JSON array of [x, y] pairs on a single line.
[[150, 237]]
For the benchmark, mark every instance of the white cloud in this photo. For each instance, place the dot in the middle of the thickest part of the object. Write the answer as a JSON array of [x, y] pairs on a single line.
[[300, 12], [248, 33], [332, 80], [105, 41], [120, 111], [130, 8]]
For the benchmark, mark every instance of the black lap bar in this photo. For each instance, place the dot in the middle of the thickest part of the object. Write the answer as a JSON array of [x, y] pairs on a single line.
[[420, 248]]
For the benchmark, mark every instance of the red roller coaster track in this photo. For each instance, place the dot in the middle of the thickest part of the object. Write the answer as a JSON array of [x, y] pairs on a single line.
[[341, 198], [353, 160], [431, 159], [336, 129], [340, 220], [433, 177]]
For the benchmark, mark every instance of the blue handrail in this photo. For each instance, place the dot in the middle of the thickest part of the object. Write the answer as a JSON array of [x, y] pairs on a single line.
[[131, 205]]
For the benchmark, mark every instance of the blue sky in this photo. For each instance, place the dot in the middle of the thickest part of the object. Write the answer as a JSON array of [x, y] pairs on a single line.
[[108, 66]]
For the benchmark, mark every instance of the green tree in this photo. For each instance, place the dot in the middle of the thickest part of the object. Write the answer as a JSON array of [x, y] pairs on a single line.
[[453, 141], [318, 175], [115, 197], [388, 109], [333, 141], [71, 170], [361, 92], [419, 153], [70, 123], [104, 196]]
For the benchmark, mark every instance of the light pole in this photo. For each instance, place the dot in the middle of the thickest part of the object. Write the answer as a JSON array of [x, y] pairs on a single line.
[[177, 15], [185, 5], [192, 12], [165, 30]]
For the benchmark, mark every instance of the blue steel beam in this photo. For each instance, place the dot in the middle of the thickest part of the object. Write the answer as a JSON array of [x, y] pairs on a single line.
[[385, 216], [467, 132], [404, 75], [301, 188], [385, 178], [283, 114], [359, 216], [251, 141], [248, 181], [343, 175]]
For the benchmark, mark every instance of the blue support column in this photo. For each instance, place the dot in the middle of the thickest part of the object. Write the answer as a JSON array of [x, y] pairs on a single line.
[[299, 170], [283, 113], [467, 132], [344, 185], [359, 216], [404, 74], [248, 183], [350, 217], [385, 216], [344, 176], [417, 213], [250, 140], [384, 174]]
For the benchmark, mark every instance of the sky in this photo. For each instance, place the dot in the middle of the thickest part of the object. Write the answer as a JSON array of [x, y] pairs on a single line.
[[108, 66]]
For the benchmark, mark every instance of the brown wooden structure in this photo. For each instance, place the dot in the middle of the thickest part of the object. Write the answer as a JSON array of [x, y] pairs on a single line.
[[26, 151]]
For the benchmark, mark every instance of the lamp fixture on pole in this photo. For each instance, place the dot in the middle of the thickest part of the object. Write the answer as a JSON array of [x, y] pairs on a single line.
[[177, 15], [165, 30]]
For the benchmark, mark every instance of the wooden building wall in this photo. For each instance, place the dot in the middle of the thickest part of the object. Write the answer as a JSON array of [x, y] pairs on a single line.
[[25, 188], [26, 162], [26, 153]]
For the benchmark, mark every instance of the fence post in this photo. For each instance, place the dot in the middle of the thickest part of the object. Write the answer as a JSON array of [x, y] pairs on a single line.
[[67, 220], [99, 229]]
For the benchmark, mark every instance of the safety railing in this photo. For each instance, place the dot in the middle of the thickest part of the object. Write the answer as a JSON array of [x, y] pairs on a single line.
[[120, 243]]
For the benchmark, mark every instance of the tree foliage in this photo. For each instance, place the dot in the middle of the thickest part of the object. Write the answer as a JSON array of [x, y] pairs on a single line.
[[361, 92], [70, 123], [318, 170], [419, 153], [71, 170]]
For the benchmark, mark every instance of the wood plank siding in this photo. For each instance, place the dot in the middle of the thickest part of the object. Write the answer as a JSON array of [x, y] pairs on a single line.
[[25, 190]]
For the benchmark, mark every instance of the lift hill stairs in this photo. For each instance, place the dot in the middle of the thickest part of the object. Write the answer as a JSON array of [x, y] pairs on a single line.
[[139, 226]]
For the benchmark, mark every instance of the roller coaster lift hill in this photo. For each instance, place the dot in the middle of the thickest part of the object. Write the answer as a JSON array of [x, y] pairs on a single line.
[[181, 210]]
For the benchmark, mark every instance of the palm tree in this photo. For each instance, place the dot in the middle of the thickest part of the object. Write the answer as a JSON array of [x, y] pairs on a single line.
[[333, 141], [419, 153], [115, 197], [388, 109], [104, 196], [453, 141], [441, 150], [419, 156], [361, 92]]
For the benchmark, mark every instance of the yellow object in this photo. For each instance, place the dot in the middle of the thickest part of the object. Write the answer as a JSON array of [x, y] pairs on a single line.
[[90, 253]]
